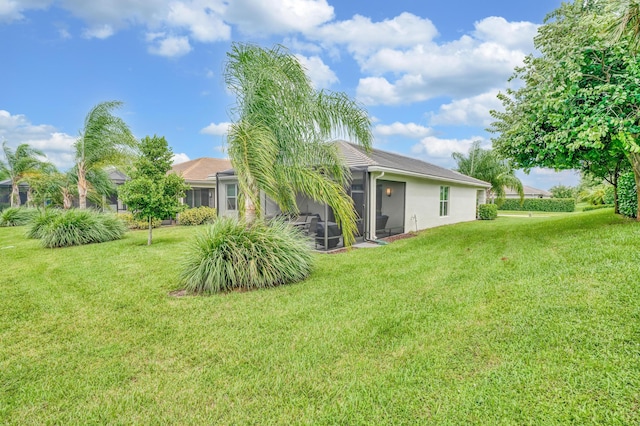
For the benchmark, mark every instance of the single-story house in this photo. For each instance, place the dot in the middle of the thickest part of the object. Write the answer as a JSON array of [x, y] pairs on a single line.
[[5, 193], [392, 194], [529, 192], [116, 176], [200, 175]]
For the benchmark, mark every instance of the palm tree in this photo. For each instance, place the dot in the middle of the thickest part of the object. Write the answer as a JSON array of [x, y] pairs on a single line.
[[624, 18], [105, 140], [279, 143], [17, 165], [484, 164]]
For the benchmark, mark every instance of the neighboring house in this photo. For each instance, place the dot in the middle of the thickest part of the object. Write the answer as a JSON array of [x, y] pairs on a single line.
[[200, 175], [5, 193], [116, 176], [529, 192], [392, 194]]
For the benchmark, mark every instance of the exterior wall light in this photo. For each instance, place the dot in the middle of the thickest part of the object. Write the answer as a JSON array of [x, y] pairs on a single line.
[[388, 191]]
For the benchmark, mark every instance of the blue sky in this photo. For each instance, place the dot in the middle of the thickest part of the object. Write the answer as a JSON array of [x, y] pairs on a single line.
[[427, 71]]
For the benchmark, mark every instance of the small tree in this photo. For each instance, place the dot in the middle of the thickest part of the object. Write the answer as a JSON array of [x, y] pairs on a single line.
[[152, 193]]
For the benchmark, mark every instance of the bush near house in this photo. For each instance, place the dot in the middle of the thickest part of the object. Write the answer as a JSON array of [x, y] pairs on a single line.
[[197, 216], [17, 216], [131, 223], [232, 254], [487, 211], [76, 227], [627, 198], [540, 205]]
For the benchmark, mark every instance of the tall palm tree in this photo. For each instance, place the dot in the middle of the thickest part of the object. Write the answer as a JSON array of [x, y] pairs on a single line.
[[484, 164], [17, 165], [105, 140], [279, 141], [624, 20]]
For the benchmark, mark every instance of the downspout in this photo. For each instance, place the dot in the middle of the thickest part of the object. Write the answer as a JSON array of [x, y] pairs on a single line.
[[217, 195]]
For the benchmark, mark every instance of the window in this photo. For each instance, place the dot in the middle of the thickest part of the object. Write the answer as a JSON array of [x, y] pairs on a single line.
[[444, 201], [232, 196]]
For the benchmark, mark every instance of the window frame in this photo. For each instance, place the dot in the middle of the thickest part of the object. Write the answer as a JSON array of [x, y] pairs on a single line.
[[445, 197], [234, 197]]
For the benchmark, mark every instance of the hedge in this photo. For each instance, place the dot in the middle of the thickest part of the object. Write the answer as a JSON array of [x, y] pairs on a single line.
[[540, 205], [487, 211], [627, 198], [197, 216]]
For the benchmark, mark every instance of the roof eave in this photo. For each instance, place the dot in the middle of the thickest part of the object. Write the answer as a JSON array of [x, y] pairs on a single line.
[[480, 184]]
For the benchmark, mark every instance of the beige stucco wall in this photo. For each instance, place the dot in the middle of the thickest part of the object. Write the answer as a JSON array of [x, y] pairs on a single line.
[[422, 202]]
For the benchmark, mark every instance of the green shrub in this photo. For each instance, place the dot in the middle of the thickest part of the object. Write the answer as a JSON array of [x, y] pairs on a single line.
[[17, 216], [540, 205], [610, 195], [77, 227], [231, 254], [131, 223], [627, 198], [39, 223], [487, 211], [197, 216], [4, 206], [598, 207]]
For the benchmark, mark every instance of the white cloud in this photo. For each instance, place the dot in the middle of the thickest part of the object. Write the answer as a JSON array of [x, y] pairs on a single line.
[[203, 20], [362, 36], [179, 158], [472, 111], [258, 17], [465, 67], [57, 146], [320, 74], [436, 147], [170, 46], [516, 35], [214, 129], [12, 10], [408, 130], [100, 32]]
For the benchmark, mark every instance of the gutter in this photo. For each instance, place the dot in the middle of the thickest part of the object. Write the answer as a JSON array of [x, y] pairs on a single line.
[[422, 175]]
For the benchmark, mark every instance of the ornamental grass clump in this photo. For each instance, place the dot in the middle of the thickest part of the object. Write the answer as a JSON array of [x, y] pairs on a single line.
[[17, 216], [231, 254], [39, 223], [77, 227]]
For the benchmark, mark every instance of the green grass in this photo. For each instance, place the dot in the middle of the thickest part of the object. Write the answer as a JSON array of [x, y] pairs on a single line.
[[493, 322]]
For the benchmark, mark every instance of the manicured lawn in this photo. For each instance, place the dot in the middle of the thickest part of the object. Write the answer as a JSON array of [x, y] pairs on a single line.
[[509, 321]]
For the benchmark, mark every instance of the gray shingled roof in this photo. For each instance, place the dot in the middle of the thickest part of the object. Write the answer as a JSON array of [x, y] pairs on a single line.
[[356, 156]]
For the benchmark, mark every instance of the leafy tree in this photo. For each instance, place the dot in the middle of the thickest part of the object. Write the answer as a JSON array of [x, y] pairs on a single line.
[[105, 141], [562, 191], [18, 165], [152, 193], [484, 164], [580, 100], [278, 143]]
